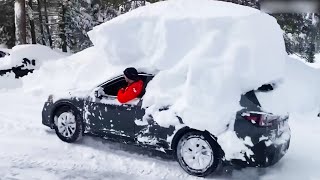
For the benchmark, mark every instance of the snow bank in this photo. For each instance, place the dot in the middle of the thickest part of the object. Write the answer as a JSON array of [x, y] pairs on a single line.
[[37, 52], [4, 49], [207, 52], [298, 92], [316, 64], [8, 81], [83, 70]]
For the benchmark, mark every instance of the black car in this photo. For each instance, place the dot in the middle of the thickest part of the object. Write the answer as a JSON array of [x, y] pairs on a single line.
[[198, 152]]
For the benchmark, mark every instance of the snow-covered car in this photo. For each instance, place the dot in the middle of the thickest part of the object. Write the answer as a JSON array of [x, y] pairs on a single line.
[[198, 152], [24, 59], [20, 70]]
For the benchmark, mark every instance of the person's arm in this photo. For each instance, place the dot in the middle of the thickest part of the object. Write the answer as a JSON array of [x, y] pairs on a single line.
[[131, 93]]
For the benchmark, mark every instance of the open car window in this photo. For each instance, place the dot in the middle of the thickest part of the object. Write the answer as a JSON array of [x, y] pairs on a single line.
[[111, 88]]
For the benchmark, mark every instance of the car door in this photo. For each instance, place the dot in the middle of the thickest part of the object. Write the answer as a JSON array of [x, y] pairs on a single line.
[[147, 131], [106, 115], [128, 113]]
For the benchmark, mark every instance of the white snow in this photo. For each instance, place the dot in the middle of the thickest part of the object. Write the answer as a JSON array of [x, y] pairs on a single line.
[[8, 81], [39, 53], [4, 49], [316, 64], [297, 92], [230, 141]]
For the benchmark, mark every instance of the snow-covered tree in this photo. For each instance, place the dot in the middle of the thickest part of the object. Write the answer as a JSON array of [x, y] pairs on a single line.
[[301, 33]]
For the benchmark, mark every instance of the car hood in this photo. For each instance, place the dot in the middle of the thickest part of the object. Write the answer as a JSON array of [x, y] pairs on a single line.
[[71, 93]]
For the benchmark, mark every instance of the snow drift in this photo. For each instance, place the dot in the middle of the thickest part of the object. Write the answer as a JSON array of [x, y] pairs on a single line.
[[16, 59], [297, 92], [39, 53], [207, 53]]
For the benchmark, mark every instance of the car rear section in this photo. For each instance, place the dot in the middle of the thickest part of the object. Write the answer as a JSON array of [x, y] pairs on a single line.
[[270, 134]]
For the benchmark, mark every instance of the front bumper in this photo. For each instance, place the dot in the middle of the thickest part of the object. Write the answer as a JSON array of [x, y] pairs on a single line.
[[46, 115]]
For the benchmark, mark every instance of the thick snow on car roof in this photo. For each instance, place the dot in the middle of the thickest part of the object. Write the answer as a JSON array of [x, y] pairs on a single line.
[[208, 53]]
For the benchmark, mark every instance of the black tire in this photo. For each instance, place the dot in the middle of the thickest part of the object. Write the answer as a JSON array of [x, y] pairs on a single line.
[[205, 142], [78, 127]]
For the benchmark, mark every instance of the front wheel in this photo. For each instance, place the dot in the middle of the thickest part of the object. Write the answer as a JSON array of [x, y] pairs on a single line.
[[67, 124], [197, 154]]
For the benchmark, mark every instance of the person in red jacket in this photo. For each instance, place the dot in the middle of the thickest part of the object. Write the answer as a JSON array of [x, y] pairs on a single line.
[[134, 88]]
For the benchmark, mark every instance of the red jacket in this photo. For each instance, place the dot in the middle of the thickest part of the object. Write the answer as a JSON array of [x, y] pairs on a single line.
[[131, 92]]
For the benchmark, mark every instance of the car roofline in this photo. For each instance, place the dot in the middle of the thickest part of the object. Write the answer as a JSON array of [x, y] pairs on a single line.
[[118, 76]]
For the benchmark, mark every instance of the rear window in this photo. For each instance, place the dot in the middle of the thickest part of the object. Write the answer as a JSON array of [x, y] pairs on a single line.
[[250, 100]]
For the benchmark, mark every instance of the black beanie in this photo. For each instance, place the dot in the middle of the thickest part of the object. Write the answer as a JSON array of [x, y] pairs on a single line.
[[131, 73]]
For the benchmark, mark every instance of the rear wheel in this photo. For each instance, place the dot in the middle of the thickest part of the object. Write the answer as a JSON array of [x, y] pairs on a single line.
[[67, 124], [198, 155]]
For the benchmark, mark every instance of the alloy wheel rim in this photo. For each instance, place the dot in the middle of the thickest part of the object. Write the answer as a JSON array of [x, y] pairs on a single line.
[[66, 124], [197, 153]]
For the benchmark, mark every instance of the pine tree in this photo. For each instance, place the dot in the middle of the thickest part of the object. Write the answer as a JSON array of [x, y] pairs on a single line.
[[31, 21], [7, 26]]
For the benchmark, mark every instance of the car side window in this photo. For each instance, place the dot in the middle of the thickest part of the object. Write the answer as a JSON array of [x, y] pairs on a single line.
[[113, 87]]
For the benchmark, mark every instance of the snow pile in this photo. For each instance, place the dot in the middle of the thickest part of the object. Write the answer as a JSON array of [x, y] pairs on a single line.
[[207, 52], [298, 92], [315, 64], [83, 70], [4, 49], [38, 53], [8, 81]]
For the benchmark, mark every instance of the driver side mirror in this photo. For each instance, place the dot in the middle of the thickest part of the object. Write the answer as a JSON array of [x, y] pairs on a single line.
[[98, 93]]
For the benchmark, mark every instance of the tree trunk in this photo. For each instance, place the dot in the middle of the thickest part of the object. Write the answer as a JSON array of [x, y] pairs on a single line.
[[41, 21], [20, 21], [47, 22], [31, 20], [63, 30]]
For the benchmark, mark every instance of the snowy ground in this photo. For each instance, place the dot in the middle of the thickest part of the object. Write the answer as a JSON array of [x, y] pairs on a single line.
[[31, 151]]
